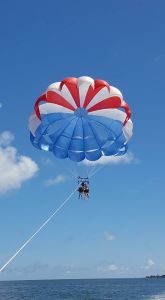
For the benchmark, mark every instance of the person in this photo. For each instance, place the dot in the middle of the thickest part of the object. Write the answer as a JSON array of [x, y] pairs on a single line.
[[80, 190], [86, 191], [83, 188]]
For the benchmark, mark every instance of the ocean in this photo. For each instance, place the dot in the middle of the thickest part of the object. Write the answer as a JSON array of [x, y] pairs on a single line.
[[84, 289]]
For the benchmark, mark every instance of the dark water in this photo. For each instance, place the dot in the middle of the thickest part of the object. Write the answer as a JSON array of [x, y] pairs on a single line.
[[93, 289]]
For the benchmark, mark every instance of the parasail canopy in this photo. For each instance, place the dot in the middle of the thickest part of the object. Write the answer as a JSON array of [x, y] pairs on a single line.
[[81, 118]]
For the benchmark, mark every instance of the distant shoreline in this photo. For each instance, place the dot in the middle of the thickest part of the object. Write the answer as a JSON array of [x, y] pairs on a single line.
[[155, 276]]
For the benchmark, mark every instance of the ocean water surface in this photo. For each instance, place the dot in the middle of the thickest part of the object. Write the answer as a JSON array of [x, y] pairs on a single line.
[[84, 289]]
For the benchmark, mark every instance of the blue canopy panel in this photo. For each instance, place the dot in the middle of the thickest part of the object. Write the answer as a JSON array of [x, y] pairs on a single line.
[[79, 137]]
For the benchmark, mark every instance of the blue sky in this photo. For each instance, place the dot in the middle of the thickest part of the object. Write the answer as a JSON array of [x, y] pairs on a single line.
[[119, 232]]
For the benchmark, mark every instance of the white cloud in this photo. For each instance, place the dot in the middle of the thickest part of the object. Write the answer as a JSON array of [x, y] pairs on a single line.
[[150, 263], [6, 138], [112, 268], [109, 236], [58, 179], [108, 268], [128, 158], [14, 168]]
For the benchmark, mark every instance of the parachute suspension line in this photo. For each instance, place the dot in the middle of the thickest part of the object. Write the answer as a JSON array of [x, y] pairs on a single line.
[[75, 166], [38, 230], [69, 167], [63, 164], [73, 169], [88, 169], [97, 170], [92, 170]]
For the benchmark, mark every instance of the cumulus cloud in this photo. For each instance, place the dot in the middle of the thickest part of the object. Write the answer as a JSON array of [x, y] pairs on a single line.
[[112, 268], [108, 268], [128, 158], [109, 236], [57, 180], [150, 263], [6, 138], [14, 168]]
